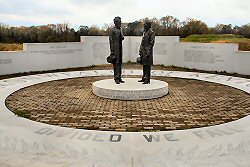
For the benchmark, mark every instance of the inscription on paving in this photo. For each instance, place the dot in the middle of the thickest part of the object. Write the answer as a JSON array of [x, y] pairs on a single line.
[[80, 135], [233, 153], [149, 138], [5, 61]]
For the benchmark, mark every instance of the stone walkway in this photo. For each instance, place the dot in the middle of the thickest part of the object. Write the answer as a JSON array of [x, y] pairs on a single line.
[[71, 103], [29, 143]]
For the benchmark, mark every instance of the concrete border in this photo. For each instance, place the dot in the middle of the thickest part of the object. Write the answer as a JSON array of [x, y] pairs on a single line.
[[24, 142]]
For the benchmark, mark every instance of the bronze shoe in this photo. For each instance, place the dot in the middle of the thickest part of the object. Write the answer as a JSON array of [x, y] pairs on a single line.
[[146, 82], [121, 81]]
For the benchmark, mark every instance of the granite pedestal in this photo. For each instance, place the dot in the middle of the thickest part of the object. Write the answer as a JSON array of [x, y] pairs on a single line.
[[130, 90]]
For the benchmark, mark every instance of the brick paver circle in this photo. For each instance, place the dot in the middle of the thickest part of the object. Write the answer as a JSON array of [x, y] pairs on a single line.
[[71, 103]]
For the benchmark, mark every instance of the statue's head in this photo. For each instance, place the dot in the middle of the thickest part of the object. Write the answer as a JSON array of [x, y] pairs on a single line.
[[147, 24], [117, 22]]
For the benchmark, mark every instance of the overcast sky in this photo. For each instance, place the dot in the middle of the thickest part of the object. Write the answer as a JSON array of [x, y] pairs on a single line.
[[99, 12]]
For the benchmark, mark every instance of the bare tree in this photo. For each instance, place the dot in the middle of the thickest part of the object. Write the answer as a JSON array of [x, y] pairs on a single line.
[[193, 26]]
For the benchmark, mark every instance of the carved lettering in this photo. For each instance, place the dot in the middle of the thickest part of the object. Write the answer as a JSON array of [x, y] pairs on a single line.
[[170, 137], [213, 133], [98, 137], [43, 131], [199, 134], [84, 136], [150, 138], [115, 138]]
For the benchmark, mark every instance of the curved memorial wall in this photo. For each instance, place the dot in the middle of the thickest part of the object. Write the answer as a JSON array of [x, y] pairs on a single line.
[[93, 50]]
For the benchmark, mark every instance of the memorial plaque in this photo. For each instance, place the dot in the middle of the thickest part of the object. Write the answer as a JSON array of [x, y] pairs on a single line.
[[201, 56], [5, 61], [54, 52]]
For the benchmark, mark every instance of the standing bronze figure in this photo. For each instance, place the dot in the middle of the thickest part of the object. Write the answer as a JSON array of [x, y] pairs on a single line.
[[115, 40], [146, 51]]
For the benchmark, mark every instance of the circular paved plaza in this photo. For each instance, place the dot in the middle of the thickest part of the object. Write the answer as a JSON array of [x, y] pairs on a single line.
[[65, 99], [189, 104]]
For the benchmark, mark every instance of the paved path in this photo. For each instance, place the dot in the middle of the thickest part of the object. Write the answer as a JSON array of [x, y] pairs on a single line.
[[71, 103], [24, 142]]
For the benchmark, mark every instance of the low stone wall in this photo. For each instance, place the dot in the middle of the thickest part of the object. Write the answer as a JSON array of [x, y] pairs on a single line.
[[40, 57], [206, 56], [94, 50], [242, 62]]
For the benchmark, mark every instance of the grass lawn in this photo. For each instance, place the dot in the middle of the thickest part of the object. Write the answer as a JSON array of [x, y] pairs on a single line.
[[244, 43], [11, 47]]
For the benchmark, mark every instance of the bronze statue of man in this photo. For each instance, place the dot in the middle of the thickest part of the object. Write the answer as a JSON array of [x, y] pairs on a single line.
[[146, 51], [115, 40]]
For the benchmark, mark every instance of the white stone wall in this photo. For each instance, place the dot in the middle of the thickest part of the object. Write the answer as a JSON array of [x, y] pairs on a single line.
[[163, 49], [49, 56], [212, 57], [97, 49], [242, 62], [42, 56], [94, 50], [13, 62], [205, 56]]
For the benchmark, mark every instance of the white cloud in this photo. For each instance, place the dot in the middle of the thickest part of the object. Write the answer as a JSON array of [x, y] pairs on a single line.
[[99, 12]]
